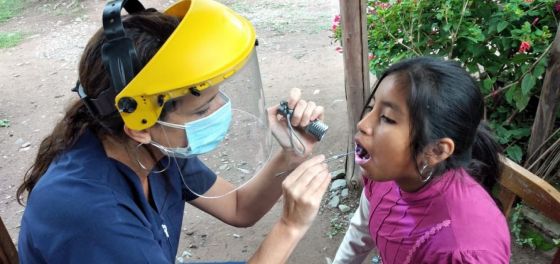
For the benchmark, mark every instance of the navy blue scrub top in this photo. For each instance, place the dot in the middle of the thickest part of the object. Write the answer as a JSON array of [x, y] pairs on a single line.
[[89, 208]]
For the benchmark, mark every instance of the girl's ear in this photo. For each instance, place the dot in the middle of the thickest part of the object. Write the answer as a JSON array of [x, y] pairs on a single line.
[[140, 136], [440, 151]]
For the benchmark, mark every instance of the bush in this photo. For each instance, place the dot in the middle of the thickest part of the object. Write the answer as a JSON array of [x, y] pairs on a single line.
[[504, 44]]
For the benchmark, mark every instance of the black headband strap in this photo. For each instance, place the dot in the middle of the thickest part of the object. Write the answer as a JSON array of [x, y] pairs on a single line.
[[118, 55]]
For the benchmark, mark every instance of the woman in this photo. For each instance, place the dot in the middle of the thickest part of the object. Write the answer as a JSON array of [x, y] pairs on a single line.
[[109, 183], [428, 165]]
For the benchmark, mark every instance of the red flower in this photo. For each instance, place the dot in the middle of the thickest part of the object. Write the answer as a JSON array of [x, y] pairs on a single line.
[[528, 1], [557, 7], [371, 57], [524, 47], [339, 49]]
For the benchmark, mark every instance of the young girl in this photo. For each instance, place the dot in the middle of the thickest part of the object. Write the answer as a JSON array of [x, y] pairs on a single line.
[[428, 164]]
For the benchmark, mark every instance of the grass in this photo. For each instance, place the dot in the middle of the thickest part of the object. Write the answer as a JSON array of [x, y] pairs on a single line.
[[9, 8], [10, 39]]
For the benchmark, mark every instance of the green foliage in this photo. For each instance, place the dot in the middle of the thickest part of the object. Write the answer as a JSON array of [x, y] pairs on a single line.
[[524, 236], [9, 8], [10, 39], [503, 43], [4, 123]]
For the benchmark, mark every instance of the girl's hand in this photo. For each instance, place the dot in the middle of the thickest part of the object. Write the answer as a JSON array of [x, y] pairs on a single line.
[[304, 112], [303, 190]]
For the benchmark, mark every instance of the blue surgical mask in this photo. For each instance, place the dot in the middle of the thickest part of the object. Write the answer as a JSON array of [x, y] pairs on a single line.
[[203, 135]]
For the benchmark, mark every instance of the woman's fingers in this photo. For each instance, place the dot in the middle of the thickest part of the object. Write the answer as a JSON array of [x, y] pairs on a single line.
[[300, 186], [320, 186], [295, 95], [307, 114], [303, 111], [298, 172], [318, 113], [302, 198], [297, 115]]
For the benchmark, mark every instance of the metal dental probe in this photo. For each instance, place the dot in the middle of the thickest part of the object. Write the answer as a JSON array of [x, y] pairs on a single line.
[[327, 160]]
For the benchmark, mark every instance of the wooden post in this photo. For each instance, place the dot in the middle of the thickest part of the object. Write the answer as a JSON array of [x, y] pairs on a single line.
[[356, 72], [8, 253], [549, 99]]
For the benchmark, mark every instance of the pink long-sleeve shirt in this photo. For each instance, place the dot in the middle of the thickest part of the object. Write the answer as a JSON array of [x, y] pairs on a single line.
[[451, 220]]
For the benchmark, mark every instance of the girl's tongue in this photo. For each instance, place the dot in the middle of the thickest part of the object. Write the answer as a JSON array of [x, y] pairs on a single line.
[[361, 155]]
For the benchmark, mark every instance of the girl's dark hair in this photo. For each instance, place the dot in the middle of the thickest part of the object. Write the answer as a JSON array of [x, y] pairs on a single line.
[[148, 30], [445, 101]]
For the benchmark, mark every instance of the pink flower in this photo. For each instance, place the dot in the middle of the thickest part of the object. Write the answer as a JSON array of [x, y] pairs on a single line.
[[384, 5], [336, 19], [557, 7], [524, 47], [336, 22], [371, 56], [535, 21], [528, 1], [338, 49]]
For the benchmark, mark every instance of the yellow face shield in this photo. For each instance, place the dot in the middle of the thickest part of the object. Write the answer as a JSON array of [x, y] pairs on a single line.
[[211, 44]]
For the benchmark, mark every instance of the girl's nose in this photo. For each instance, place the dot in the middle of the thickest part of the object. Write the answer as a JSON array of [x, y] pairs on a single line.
[[364, 126]]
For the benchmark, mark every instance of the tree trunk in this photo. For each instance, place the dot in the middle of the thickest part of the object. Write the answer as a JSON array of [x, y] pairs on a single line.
[[356, 72], [549, 99]]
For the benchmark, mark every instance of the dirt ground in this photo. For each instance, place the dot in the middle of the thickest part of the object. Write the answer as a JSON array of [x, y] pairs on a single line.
[[295, 51]]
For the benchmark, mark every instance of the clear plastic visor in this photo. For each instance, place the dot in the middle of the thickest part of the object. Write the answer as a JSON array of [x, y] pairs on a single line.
[[246, 146]]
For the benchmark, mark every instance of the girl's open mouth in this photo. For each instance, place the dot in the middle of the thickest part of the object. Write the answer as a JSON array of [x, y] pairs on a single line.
[[361, 155]]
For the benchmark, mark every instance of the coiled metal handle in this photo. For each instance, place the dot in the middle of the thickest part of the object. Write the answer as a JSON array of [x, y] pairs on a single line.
[[318, 129]]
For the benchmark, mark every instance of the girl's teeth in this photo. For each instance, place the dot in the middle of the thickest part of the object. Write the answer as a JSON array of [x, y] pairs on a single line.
[[361, 152]]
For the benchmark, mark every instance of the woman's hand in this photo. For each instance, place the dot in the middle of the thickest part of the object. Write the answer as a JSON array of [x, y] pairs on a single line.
[[303, 190], [304, 112]]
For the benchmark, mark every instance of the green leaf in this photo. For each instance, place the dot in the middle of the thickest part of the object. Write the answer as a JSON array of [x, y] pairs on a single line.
[[527, 84], [510, 94], [539, 69], [514, 153], [521, 101], [487, 85], [502, 25], [521, 132], [520, 58]]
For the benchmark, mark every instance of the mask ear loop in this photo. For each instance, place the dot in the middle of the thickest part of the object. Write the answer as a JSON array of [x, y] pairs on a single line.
[[136, 151], [294, 134]]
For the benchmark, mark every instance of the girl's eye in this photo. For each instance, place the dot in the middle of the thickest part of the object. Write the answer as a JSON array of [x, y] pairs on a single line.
[[366, 111], [386, 119]]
